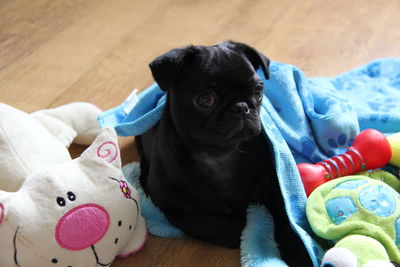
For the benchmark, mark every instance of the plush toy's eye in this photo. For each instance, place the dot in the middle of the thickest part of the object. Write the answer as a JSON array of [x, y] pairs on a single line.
[[61, 201], [206, 99], [71, 196]]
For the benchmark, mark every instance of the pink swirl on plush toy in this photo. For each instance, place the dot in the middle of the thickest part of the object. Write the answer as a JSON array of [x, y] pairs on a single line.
[[1, 213], [108, 150]]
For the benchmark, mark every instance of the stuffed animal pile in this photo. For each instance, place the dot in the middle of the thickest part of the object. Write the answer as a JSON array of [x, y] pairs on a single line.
[[55, 211]]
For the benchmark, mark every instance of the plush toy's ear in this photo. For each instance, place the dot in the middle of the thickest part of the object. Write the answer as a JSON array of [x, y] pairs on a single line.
[[167, 67], [256, 58], [104, 148]]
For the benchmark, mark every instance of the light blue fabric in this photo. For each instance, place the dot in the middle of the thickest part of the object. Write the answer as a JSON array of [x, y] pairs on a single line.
[[258, 247], [306, 120], [144, 115]]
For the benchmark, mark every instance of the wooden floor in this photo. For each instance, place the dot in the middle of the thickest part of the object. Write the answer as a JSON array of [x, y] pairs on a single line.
[[54, 52]]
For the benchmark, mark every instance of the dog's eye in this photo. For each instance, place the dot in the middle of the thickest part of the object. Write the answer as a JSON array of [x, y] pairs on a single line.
[[206, 99], [258, 95]]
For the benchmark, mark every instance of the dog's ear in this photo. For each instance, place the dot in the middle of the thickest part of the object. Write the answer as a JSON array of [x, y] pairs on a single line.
[[256, 58], [167, 67]]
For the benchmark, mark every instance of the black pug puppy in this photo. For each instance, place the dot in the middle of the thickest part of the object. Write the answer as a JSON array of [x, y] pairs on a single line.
[[206, 160]]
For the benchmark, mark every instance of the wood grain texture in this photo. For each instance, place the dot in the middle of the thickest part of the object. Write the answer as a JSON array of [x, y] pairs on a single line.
[[56, 52]]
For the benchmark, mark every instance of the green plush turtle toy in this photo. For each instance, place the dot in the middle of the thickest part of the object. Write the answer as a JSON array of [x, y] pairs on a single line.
[[361, 213]]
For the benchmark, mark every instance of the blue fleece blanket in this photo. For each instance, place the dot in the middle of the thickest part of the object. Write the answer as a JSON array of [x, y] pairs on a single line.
[[306, 119]]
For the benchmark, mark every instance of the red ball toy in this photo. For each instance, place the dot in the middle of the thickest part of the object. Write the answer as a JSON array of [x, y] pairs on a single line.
[[370, 150]]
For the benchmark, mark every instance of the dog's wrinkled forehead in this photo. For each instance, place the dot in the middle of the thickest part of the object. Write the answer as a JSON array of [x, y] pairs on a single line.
[[221, 63], [222, 70], [224, 61]]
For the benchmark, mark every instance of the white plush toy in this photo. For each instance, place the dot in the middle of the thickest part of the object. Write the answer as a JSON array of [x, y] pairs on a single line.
[[55, 211]]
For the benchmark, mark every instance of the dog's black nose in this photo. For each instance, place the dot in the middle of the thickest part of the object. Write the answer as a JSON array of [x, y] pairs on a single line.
[[242, 107]]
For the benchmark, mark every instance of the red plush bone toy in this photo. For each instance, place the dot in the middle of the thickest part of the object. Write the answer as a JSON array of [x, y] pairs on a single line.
[[370, 150]]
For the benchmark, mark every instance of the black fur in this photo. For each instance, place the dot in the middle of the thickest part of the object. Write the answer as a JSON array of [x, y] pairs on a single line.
[[203, 165]]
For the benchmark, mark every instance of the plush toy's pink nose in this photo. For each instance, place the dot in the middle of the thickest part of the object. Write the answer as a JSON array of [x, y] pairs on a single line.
[[82, 227]]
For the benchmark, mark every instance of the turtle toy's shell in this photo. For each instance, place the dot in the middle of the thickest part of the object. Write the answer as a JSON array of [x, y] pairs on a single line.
[[357, 205]]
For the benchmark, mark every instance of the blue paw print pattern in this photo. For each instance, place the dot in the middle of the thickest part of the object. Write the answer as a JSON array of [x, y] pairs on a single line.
[[341, 141], [340, 208], [374, 70], [338, 84], [309, 149], [379, 117], [396, 81], [342, 103], [378, 200], [331, 104], [343, 84], [381, 110]]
